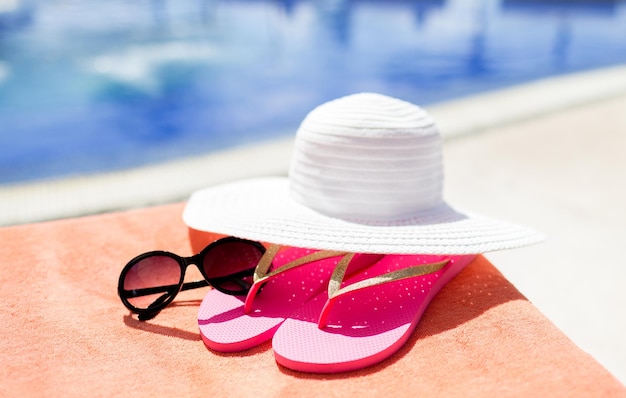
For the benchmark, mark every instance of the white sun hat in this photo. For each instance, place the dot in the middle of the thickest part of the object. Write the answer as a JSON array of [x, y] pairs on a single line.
[[366, 176]]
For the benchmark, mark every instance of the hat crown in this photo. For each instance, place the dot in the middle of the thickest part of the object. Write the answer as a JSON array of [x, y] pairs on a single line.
[[368, 158]]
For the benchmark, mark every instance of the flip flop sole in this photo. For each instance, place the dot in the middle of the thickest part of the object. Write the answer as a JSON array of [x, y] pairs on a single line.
[[224, 326]]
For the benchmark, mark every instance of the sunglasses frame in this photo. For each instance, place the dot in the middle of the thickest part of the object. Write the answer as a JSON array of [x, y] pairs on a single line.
[[184, 262]]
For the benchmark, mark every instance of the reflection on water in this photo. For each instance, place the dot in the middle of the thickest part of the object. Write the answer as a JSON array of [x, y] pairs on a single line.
[[88, 85]]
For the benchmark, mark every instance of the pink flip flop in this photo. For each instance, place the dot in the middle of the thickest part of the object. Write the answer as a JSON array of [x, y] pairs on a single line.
[[233, 323], [365, 318]]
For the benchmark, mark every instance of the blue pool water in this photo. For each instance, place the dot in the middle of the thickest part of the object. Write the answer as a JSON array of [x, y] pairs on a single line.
[[89, 85]]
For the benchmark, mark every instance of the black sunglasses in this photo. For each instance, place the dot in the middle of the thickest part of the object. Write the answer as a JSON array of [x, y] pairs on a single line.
[[151, 281]]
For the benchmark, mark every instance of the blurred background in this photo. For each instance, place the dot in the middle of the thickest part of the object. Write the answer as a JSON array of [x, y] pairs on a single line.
[[92, 91], [88, 86]]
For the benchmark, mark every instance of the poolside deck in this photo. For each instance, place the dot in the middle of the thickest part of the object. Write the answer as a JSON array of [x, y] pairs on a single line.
[[564, 174], [547, 155]]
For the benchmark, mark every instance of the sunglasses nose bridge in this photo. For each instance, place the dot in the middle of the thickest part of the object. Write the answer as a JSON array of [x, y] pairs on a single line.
[[196, 260]]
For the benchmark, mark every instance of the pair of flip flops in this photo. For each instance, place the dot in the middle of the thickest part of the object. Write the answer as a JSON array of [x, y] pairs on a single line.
[[325, 311]]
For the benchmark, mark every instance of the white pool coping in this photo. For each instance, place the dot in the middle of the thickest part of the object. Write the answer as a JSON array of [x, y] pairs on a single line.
[[174, 181]]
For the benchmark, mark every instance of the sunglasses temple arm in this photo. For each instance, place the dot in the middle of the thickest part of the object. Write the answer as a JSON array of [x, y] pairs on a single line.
[[164, 289], [194, 285], [235, 278], [149, 290], [156, 304]]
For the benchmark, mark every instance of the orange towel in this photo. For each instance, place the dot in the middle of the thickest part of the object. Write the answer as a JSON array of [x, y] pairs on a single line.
[[65, 332]]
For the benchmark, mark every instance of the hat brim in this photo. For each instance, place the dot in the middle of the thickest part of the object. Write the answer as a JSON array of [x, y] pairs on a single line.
[[262, 209]]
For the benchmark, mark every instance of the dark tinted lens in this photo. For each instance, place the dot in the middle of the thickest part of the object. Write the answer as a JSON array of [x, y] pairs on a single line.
[[230, 265], [152, 280]]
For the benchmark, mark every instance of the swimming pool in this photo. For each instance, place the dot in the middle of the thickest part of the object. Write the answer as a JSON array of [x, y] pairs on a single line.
[[89, 86]]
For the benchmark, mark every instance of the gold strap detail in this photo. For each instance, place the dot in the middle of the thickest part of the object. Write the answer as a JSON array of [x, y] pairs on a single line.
[[265, 262], [261, 274], [335, 290], [405, 273], [339, 273]]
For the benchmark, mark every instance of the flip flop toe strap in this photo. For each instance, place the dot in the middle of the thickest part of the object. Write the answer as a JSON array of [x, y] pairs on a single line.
[[335, 290]]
